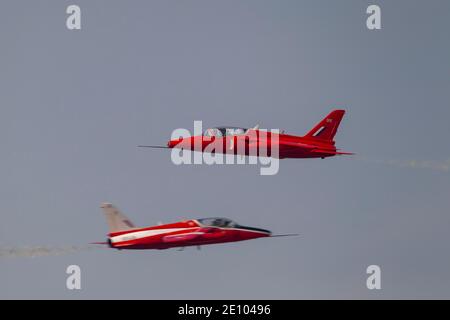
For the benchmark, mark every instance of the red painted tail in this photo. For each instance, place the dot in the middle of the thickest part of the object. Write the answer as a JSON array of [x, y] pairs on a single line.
[[326, 129]]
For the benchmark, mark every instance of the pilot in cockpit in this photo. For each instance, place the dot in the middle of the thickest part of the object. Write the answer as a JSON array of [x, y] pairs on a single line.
[[224, 131], [218, 222]]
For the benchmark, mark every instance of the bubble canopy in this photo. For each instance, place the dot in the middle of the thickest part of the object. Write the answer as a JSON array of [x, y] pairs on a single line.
[[227, 223], [218, 222], [224, 131]]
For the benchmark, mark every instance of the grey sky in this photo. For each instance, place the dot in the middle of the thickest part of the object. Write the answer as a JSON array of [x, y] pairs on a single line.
[[74, 105]]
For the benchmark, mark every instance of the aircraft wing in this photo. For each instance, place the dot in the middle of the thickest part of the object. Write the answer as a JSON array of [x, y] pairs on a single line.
[[182, 237], [286, 146], [297, 145], [204, 233]]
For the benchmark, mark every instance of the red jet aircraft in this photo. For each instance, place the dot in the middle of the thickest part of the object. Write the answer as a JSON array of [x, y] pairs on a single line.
[[317, 143], [124, 235]]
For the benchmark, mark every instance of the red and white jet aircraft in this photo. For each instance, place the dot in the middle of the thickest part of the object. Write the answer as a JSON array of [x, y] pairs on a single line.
[[317, 143], [124, 235]]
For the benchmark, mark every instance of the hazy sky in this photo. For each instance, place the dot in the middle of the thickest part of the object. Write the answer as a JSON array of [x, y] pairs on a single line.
[[75, 104]]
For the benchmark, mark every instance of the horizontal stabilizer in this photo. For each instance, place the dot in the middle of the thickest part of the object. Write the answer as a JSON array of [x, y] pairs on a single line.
[[345, 153], [332, 153]]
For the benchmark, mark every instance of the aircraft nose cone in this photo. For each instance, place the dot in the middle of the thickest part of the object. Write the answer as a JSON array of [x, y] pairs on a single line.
[[264, 232]]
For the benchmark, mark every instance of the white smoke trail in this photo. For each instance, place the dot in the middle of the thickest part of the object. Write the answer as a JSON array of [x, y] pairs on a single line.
[[39, 251], [443, 166]]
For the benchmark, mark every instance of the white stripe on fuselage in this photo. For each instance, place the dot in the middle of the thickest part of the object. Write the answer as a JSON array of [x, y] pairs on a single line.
[[146, 233]]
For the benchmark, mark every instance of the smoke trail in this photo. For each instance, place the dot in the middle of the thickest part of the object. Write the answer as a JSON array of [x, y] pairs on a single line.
[[39, 251], [443, 166]]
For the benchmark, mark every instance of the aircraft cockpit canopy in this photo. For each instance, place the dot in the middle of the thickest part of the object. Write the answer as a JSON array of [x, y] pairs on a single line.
[[218, 222], [224, 131]]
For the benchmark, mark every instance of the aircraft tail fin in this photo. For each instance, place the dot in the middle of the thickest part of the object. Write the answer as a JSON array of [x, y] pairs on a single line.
[[326, 129], [116, 220]]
